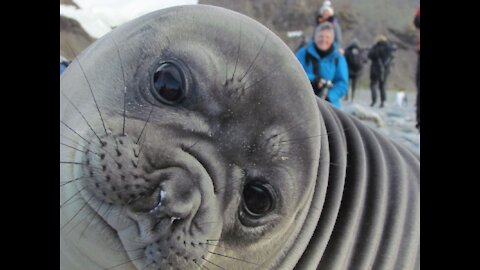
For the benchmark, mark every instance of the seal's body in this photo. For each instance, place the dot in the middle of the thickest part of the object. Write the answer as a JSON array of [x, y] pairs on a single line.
[[191, 138]]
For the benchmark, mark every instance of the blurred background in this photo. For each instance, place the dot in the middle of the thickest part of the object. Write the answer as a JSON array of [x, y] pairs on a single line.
[[84, 21]]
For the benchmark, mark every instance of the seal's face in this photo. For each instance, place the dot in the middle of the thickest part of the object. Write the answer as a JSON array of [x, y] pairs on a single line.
[[185, 143]]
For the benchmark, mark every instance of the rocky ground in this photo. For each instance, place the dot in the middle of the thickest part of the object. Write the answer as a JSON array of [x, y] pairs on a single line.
[[394, 121]]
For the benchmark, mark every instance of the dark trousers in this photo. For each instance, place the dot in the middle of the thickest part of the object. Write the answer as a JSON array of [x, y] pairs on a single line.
[[417, 81], [375, 83], [353, 84]]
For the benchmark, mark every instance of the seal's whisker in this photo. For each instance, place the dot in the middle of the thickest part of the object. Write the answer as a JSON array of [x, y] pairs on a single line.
[[200, 266], [91, 219], [79, 163], [256, 56], [64, 183], [302, 139], [86, 152], [147, 265], [80, 222], [144, 126], [108, 211], [233, 258], [141, 148], [87, 217], [226, 72], [306, 138], [291, 127], [123, 263], [81, 114], [212, 263], [71, 129], [191, 146], [218, 246], [73, 141], [73, 201], [124, 84], [264, 77], [71, 197], [109, 208], [238, 52], [89, 86], [76, 214]]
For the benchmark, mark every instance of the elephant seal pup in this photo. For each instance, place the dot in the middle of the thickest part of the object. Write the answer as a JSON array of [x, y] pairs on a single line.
[[190, 138]]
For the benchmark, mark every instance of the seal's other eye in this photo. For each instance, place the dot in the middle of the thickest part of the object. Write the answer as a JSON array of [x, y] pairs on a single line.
[[168, 84], [258, 198]]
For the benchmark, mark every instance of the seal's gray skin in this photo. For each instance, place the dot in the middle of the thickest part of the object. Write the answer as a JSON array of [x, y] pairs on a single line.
[[149, 185]]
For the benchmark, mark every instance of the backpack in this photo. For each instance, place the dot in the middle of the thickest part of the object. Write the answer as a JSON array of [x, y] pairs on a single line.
[[354, 57]]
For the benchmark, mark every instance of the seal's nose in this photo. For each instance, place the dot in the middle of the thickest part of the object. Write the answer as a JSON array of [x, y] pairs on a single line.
[[175, 201], [181, 197]]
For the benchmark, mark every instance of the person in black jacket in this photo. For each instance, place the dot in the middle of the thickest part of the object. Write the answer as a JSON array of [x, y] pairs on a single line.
[[356, 57], [327, 14], [381, 56]]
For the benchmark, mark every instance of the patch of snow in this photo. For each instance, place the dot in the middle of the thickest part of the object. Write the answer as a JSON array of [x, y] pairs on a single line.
[[99, 17]]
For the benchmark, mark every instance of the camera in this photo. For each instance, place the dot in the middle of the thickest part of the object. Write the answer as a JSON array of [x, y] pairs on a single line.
[[323, 91]]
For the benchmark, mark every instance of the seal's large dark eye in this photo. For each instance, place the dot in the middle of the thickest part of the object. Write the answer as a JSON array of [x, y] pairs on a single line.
[[168, 84], [258, 198]]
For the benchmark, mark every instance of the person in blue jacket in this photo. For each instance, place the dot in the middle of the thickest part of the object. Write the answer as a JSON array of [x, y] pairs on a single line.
[[325, 66], [63, 64], [62, 68]]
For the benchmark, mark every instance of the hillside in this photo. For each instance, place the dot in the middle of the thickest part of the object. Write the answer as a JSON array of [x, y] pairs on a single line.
[[359, 19]]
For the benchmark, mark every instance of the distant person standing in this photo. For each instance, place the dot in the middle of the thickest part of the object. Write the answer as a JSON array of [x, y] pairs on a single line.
[[326, 68], [416, 22], [327, 14], [356, 57], [381, 56]]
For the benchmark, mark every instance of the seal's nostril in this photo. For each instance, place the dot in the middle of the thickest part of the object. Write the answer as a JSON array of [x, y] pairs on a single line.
[[173, 219], [160, 200]]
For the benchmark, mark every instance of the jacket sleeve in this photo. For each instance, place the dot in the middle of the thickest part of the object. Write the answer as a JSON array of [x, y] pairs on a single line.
[[372, 53], [416, 21], [301, 56], [340, 81]]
